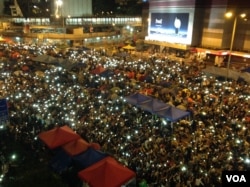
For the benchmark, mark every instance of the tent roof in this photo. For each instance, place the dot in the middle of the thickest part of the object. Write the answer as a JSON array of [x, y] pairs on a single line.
[[156, 107], [76, 147], [106, 173], [87, 158], [95, 146], [58, 136], [61, 161], [129, 47], [173, 114], [137, 98]]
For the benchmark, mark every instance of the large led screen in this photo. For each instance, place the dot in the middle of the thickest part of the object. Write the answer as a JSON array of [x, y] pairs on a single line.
[[170, 27]]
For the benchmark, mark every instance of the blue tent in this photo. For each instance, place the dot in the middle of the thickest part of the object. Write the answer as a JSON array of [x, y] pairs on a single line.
[[153, 106], [60, 162], [137, 99], [107, 73], [87, 158], [173, 114], [157, 107]]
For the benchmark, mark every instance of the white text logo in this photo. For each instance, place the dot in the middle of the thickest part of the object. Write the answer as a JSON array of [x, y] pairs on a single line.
[[236, 178]]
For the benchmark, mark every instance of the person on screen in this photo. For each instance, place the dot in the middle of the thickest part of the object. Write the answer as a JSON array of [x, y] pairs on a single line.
[[177, 25]]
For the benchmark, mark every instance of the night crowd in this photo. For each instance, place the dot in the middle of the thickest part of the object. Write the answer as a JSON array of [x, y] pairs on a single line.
[[190, 152]]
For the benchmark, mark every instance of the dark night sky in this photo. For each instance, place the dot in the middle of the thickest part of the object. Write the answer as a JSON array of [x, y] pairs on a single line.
[[132, 7]]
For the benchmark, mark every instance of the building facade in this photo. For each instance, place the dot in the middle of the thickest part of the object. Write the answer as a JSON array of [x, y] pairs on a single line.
[[185, 25], [217, 29], [72, 8]]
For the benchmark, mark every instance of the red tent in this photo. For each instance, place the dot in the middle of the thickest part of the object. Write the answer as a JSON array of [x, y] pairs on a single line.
[[76, 147], [58, 136], [106, 173], [95, 146]]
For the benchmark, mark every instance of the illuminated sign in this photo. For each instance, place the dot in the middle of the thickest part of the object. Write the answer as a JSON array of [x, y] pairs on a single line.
[[171, 27]]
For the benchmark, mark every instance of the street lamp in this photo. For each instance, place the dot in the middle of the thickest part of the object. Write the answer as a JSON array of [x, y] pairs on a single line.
[[229, 15]]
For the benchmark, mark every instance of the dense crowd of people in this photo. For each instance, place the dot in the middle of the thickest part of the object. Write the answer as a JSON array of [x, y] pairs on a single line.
[[191, 152]]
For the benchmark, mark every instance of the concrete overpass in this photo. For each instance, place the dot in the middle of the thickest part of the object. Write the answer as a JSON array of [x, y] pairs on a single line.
[[57, 35]]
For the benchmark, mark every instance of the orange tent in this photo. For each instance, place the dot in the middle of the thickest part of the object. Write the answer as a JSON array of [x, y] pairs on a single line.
[[58, 136], [106, 173], [76, 147]]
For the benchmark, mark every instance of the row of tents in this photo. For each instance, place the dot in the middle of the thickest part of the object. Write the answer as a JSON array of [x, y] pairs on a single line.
[[156, 107], [90, 163]]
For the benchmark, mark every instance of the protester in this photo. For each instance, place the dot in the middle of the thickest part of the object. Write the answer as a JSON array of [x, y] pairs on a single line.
[[191, 152]]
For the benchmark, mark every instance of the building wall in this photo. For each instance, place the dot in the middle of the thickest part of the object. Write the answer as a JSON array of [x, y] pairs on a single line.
[[163, 4], [212, 32], [217, 30], [1, 7], [73, 8], [145, 13], [242, 36], [197, 26], [246, 46], [209, 26]]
